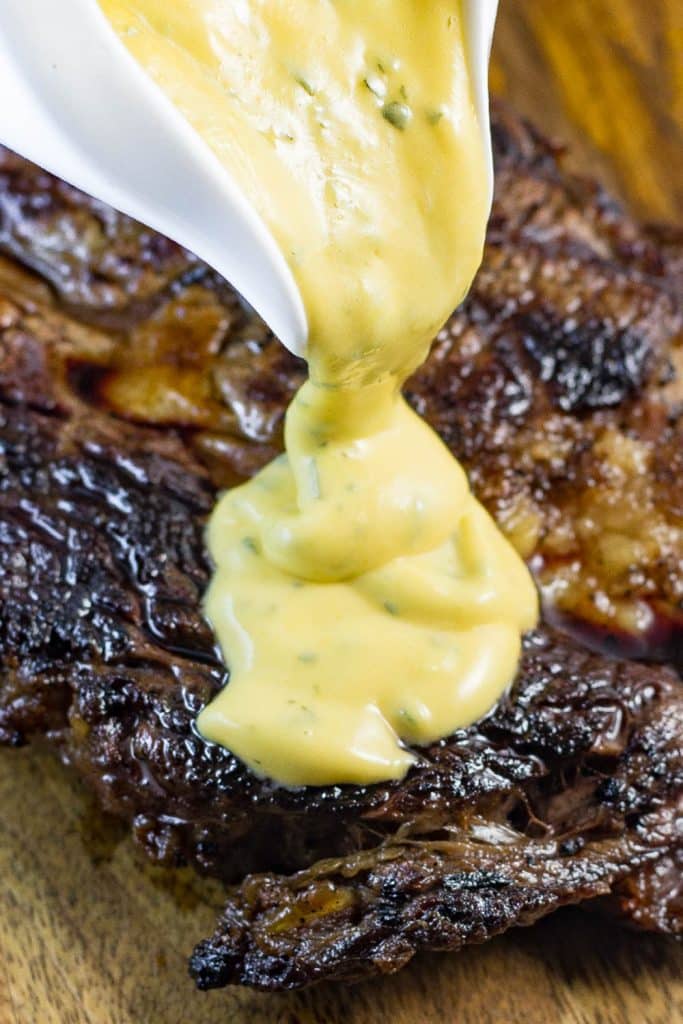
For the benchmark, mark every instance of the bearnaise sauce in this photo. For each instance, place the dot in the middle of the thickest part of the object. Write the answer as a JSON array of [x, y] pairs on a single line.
[[363, 599]]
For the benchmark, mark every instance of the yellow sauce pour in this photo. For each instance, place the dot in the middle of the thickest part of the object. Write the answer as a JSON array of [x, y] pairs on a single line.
[[362, 597]]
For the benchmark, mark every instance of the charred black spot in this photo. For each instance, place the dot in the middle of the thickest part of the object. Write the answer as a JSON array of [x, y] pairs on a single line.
[[588, 364], [210, 967], [570, 847]]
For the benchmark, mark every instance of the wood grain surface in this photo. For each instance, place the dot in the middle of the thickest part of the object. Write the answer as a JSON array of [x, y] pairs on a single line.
[[91, 935]]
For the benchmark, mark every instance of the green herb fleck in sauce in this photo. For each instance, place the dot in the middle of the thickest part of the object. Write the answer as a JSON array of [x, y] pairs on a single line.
[[305, 84], [308, 657], [406, 717], [397, 114]]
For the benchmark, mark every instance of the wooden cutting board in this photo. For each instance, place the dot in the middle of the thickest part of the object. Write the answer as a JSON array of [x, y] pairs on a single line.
[[90, 935]]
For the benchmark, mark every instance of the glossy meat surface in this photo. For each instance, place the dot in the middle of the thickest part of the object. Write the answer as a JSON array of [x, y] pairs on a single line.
[[558, 383], [133, 384]]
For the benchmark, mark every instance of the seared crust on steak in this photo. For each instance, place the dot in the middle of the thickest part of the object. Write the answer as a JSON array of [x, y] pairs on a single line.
[[137, 383], [369, 914], [582, 822], [105, 651], [558, 383]]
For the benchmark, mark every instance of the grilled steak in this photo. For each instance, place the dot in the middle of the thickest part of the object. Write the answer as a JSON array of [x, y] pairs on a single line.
[[558, 383], [133, 383], [347, 920]]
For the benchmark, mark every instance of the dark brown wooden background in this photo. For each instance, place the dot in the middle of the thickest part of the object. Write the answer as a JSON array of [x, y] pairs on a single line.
[[89, 935]]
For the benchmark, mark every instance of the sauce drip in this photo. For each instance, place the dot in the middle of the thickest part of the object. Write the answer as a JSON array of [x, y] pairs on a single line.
[[362, 597]]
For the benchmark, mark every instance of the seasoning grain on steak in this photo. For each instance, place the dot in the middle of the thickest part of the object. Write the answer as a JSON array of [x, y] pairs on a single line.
[[133, 383]]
